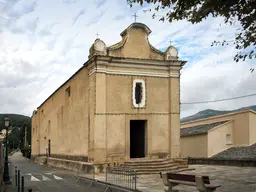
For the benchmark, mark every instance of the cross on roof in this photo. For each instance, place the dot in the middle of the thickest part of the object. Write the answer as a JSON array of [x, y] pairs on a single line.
[[97, 34], [135, 17], [170, 41]]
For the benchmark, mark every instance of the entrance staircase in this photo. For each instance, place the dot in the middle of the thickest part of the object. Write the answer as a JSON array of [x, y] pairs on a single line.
[[154, 166]]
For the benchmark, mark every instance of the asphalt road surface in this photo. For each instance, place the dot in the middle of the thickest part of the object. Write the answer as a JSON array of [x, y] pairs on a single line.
[[41, 178]]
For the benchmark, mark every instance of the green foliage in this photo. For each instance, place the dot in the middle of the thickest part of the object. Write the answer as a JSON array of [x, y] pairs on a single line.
[[18, 124], [194, 11], [26, 152]]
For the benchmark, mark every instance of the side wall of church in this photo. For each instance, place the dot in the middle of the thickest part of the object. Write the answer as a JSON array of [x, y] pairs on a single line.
[[63, 119]]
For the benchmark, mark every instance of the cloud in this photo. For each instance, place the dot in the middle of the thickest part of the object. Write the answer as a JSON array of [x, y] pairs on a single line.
[[32, 24], [79, 14], [15, 9], [47, 30], [216, 76], [70, 1], [42, 43], [100, 3], [120, 17], [95, 19]]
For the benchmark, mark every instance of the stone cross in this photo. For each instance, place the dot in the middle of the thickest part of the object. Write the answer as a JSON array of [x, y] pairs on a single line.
[[170, 41], [135, 17]]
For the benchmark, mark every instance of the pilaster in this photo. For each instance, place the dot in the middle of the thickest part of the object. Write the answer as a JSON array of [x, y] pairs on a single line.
[[174, 112]]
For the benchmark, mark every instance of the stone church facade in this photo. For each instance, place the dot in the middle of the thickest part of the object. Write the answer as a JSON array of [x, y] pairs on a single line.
[[123, 103]]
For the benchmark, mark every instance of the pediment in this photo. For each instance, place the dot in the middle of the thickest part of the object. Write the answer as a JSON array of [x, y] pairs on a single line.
[[135, 44]]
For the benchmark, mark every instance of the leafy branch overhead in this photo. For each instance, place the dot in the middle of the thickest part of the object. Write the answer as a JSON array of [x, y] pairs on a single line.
[[194, 11]]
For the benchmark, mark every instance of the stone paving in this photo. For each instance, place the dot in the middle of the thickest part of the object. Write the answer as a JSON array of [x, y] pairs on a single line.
[[231, 179]]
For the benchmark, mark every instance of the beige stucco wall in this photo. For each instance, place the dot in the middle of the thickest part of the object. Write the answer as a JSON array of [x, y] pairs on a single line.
[[136, 37], [63, 120], [252, 118], [194, 146], [217, 138], [95, 120], [114, 110], [240, 125]]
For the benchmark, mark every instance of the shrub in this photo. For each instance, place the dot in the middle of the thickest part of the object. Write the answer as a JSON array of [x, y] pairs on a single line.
[[26, 152]]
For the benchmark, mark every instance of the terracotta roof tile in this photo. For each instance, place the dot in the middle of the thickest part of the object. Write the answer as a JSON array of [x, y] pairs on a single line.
[[199, 129]]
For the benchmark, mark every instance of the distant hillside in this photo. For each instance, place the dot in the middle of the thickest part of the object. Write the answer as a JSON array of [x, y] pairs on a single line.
[[15, 120], [210, 112], [17, 135]]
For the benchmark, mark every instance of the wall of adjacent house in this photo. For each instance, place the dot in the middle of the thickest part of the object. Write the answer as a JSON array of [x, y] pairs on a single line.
[[252, 128], [220, 138], [240, 125], [194, 146], [241, 129], [63, 120]]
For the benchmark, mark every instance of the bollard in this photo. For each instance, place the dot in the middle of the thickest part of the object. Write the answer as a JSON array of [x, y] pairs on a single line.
[[22, 184], [16, 177], [18, 180]]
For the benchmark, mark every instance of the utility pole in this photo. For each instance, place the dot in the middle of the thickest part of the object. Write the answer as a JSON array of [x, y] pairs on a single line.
[[25, 140]]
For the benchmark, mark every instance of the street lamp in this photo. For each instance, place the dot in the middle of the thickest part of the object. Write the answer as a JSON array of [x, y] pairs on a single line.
[[6, 176]]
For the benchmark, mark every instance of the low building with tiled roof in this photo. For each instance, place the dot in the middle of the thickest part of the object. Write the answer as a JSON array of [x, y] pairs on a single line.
[[211, 136]]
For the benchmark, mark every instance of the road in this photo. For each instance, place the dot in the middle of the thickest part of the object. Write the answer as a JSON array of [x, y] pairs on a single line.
[[46, 179]]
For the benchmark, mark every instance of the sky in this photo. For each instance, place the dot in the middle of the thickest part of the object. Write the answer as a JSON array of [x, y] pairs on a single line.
[[44, 42]]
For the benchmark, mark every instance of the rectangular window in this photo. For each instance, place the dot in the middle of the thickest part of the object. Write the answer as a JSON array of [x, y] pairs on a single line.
[[68, 92], [139, 93], [228, 138], [49, 127]]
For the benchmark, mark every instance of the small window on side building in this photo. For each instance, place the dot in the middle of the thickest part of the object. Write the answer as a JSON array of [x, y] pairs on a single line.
[[228, 138]]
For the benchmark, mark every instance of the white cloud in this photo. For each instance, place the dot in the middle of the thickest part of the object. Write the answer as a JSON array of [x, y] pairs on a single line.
[[42, 43]]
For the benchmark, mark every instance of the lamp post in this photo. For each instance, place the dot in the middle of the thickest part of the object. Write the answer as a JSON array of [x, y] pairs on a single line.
[[6, 176]]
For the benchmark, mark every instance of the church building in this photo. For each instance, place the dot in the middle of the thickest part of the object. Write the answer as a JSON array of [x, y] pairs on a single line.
[[123, 103]]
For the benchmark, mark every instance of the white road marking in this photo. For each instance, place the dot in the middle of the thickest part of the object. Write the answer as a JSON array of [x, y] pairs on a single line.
[[46, 178], [34, 178], [48, 173], [57, 178], [28, 174]]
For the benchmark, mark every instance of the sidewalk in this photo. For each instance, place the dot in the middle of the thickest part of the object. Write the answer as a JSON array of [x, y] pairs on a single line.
[[11, 187]]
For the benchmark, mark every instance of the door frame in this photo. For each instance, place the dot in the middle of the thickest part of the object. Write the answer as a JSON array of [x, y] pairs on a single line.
[[128, 144]]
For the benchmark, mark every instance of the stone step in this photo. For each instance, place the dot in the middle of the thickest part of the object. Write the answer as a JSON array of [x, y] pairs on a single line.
[[157, 172], [139, 166], [150, 163], [131, 163], [156, 169], [146, 160], [152, 170]]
